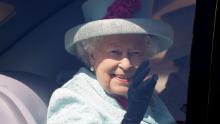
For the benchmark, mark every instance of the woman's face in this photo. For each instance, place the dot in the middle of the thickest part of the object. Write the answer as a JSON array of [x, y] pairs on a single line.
[[116, 59]]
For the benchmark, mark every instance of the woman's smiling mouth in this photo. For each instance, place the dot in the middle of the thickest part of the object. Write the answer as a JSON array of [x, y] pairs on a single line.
[[121, 78]]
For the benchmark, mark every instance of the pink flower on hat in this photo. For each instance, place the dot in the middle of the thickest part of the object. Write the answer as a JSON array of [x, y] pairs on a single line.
[[122, 9]]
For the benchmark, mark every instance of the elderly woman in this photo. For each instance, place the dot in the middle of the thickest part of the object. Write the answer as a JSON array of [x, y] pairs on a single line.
[[118, 86]]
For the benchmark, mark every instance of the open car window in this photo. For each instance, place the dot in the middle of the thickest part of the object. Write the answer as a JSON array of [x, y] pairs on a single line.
[[32, 49]]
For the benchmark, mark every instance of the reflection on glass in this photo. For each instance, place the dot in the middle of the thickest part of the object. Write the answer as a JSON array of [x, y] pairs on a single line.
[[173, 64], [6, 12]]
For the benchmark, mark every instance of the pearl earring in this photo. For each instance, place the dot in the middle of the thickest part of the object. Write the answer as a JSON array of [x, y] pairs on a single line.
[[91, 68]]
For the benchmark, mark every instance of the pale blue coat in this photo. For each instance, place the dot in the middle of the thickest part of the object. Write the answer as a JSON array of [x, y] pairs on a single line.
[[83, 101]]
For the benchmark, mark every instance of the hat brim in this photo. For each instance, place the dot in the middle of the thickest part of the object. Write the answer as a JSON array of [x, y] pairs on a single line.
[[161, 33]]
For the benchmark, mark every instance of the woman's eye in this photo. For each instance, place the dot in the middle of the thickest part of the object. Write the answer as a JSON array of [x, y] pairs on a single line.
[[115, 53], [135, 54]]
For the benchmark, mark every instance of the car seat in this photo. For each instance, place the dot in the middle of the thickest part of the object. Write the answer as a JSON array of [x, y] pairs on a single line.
[[24, 98]]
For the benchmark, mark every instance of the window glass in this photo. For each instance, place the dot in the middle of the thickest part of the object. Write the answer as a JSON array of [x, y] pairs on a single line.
[[6, 12]]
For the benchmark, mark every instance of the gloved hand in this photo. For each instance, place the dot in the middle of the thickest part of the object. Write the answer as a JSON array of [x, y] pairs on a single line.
[[139, 94]]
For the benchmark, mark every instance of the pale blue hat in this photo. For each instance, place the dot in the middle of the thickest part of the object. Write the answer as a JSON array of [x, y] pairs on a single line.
[[140, 23]]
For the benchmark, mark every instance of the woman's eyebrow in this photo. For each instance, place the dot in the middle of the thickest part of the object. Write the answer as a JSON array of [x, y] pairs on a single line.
[[113, 45]]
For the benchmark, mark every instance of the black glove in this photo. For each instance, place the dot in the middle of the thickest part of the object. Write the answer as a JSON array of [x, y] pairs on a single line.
[[139, 94]]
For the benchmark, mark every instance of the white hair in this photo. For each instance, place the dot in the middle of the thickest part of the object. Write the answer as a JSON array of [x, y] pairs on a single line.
[[85, 48]]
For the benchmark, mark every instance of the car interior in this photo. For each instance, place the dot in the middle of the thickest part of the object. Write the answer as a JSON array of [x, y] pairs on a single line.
[[33, 60]]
